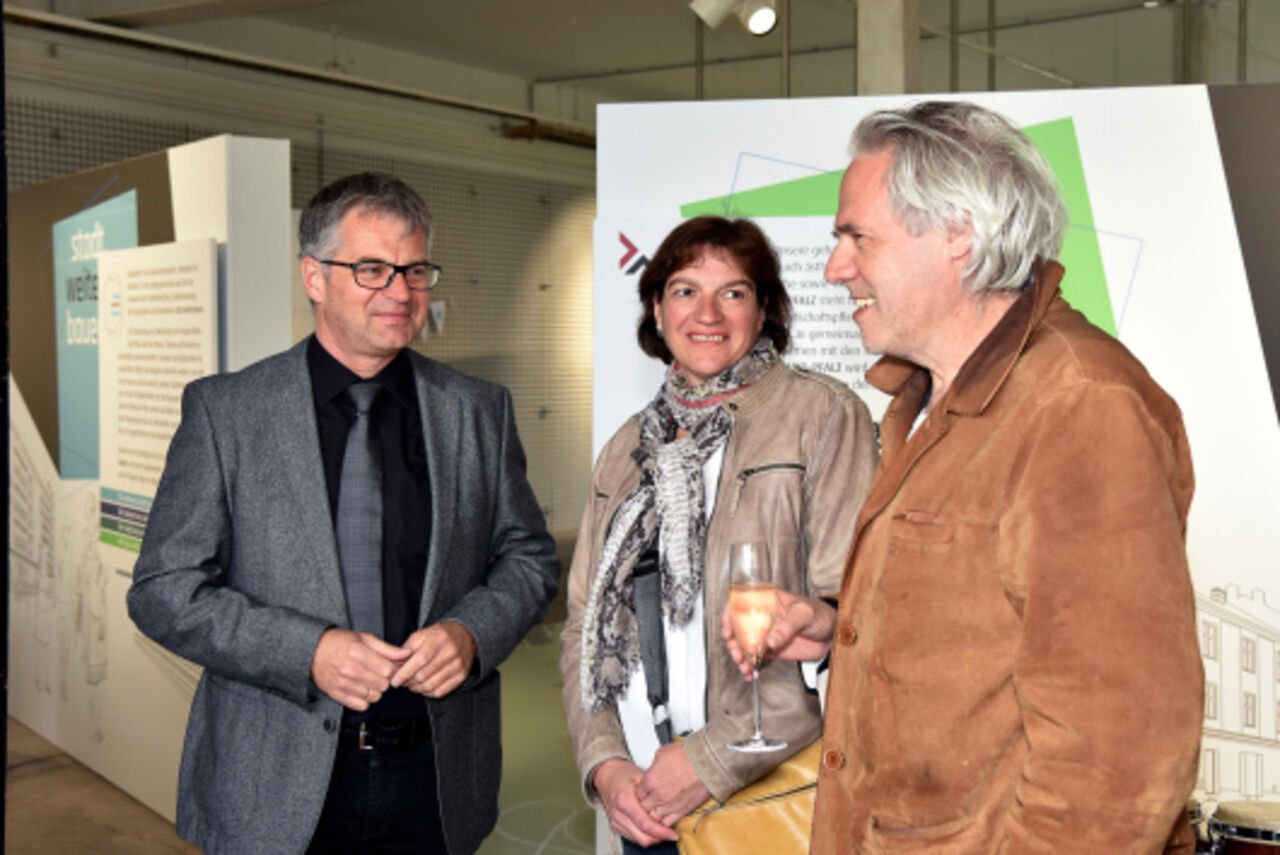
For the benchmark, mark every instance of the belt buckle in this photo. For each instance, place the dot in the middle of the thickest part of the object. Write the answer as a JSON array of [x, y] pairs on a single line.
[[362, 744]]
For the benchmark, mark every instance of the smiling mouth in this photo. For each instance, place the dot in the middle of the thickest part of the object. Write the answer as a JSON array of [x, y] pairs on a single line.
[[707, 338], [863, 302]]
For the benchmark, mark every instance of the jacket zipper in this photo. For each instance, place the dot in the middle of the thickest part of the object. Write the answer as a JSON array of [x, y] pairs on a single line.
[[741, 480]]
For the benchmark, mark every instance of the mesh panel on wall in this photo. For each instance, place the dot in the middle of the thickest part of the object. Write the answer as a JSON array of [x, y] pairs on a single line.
[[516, 287], [47, 141]]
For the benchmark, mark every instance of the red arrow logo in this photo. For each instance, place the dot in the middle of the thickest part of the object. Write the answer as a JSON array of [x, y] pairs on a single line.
[[631, 250]]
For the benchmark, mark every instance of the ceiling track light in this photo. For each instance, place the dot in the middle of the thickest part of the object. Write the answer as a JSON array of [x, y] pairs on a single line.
[[713, 12], [758, 16]]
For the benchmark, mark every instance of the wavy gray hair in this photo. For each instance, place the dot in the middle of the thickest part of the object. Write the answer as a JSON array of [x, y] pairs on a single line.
[[371, 192], [957, 165]]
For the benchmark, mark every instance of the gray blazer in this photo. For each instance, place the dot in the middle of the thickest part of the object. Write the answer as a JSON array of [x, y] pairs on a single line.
[[239, 573]]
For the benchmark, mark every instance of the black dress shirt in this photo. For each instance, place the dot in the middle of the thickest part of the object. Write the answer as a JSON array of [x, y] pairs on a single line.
[[406, 493]]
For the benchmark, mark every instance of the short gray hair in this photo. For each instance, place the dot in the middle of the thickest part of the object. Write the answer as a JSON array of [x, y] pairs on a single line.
[[956, 165], [371, 192]]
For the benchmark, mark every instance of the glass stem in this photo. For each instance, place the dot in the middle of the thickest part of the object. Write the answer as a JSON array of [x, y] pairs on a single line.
[[755, 701]]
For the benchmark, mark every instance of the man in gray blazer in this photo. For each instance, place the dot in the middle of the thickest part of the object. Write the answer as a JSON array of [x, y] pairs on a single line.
[[345, 709]]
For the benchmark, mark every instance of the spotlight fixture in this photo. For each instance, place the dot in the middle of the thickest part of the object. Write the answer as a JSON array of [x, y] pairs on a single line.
[[758, 16]]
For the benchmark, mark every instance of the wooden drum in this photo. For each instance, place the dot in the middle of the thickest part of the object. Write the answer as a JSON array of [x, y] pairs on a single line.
[[1246, 828]]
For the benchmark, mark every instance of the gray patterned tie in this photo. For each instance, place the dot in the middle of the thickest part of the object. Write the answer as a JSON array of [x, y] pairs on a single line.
[[359, 526]]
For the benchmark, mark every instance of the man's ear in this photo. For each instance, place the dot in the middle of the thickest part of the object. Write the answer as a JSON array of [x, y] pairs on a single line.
[[959, 241], [313, 280]]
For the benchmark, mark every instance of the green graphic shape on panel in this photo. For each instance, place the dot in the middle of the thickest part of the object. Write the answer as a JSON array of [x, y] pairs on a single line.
[[1085, 285], [811, 196]]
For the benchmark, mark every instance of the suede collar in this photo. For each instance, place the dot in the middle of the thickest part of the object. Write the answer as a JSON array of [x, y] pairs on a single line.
[[984, 372]]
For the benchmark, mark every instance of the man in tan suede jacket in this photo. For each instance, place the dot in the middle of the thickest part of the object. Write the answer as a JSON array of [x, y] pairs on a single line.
[[1014, 666]]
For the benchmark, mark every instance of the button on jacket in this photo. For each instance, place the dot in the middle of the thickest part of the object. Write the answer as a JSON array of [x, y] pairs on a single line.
[[1025, 675]]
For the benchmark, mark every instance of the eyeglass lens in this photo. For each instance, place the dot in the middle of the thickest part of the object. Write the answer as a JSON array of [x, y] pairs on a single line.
[[377, 274]]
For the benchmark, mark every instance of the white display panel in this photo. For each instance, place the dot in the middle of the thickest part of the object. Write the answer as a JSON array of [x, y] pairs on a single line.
[[1167, 250]]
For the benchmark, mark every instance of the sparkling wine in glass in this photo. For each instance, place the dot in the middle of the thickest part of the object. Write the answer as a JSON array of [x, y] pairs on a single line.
[[753, 602]]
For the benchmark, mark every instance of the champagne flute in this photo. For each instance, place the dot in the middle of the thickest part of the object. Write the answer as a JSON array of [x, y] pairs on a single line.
[[753, 602]]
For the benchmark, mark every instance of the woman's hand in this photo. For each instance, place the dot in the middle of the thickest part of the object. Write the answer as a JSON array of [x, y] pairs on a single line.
[[615, 780], [671, 788], [801, 632]]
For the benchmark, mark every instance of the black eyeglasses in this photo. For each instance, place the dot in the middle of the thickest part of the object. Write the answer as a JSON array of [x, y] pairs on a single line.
[[377, 275]]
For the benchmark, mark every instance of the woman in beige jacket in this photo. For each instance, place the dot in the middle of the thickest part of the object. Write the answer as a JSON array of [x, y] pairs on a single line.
[[735, 446]]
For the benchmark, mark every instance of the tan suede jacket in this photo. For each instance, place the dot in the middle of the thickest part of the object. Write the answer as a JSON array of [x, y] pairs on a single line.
[[1015, 666], [796, 468]]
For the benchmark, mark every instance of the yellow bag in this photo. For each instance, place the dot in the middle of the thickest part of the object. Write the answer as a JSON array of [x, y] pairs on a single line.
[[774, 815]]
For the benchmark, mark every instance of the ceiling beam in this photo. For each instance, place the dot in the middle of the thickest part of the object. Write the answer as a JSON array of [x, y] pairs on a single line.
[[151, 13], [550, 128]]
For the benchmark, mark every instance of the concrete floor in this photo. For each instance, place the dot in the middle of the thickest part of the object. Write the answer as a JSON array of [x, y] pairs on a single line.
[[54, 804]]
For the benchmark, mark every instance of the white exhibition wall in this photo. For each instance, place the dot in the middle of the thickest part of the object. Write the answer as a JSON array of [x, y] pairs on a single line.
[[80, 673]]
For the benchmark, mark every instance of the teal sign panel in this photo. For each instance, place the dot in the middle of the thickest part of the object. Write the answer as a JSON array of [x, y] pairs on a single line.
[[77, 241]]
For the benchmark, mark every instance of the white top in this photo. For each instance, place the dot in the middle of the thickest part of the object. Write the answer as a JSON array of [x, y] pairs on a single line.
[[686, 665]]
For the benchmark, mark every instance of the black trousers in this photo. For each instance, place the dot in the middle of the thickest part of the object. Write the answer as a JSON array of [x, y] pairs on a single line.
[[381, 803]]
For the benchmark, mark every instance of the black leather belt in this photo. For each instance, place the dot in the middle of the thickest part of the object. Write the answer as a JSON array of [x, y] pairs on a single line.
[[385, 736]]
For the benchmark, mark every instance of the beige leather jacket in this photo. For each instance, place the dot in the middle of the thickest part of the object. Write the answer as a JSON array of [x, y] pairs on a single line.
[[796, 468]]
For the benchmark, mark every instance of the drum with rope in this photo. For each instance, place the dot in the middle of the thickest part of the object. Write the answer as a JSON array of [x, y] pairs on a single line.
[[1246, 828]]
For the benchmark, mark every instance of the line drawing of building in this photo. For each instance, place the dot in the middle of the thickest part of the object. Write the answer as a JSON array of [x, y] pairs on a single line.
[[1240, 650]]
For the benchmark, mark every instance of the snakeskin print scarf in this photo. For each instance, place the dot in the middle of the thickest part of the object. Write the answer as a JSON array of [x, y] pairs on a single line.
[[670, 505]]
